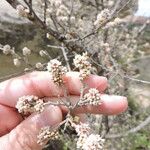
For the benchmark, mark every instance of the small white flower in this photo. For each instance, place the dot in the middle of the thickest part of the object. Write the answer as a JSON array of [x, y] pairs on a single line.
[[39, 65], [29, 104], [72, 19], [55, 3], [82, 61], [116, 21], [17, 62], [81, 140], [84, 73], [42, 53], [19, 8], [26, 51], [53, 65], [22, 11], [62, 11], [25, 104], [110, 3], [39, 106], [93, 97], [82, 129], [46, 134], [63, 18], [48, 35], [49, 10], [6, 49], [102, 17], [93, 142], [57, 70]]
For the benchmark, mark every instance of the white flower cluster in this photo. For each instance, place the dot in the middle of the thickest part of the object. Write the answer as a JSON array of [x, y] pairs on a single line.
[[116, 21], [59, 9], [62, 11], [105, 46], [42, 53], [39, 106], [93, 142], [29, 104], [39, 65], [91, 98], [102, 17], [55, 3], [22, 11], [46, 134], [16, 62], [7, 49], [26, 51], [110, 3], [57, 70], [82, 128], [83, 64], [86, 140]]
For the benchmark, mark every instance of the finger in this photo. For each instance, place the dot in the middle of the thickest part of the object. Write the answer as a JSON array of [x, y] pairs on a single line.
[[41, 84], [9, 118], [74, 84], [24, 136], [111, 105]]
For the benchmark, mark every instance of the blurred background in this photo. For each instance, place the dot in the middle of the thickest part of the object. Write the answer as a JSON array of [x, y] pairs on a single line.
[[19, 32]]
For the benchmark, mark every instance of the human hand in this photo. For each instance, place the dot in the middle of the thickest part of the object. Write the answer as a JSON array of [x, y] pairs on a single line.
[[19, 134]]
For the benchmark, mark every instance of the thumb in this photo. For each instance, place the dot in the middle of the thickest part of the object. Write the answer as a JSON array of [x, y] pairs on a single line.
[[24, 136]]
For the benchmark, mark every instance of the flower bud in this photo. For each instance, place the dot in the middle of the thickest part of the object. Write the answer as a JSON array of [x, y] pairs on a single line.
[[26, 51], [17, 62]]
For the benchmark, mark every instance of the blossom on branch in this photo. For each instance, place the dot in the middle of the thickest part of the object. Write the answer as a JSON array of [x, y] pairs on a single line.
[[29, 104], [83, 64], [57, 70], [46, 134]]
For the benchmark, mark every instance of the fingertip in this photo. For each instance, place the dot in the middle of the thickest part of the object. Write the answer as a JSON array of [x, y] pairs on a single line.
[[113, 105]]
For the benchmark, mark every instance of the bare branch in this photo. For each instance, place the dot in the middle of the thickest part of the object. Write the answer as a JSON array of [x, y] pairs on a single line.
[[13, 3], [65, 57], [45, 8], [137, 80]]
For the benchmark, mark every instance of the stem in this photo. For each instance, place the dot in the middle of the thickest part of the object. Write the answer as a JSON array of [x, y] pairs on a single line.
[[66, 58]]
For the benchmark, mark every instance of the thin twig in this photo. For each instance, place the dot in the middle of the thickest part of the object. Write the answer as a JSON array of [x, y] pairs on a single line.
[[66, 58], [13, 3], [30, 2], [107, 128], [58, 103], [45, 13], [54, 22], [136, 80]]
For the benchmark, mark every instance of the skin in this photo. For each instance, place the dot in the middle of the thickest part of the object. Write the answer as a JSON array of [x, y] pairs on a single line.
[[22, 134]]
